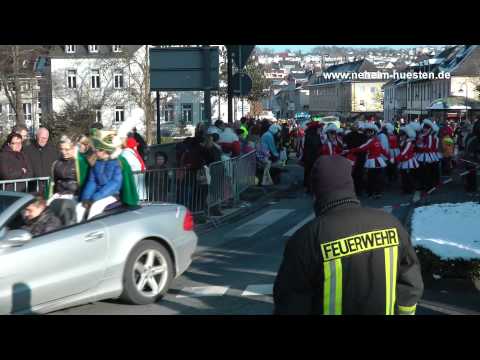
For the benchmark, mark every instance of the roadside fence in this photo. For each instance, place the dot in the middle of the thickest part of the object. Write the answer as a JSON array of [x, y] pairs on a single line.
[[25, 185]]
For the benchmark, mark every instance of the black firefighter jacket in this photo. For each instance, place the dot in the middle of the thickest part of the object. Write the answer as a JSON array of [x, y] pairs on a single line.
[[349, 260]]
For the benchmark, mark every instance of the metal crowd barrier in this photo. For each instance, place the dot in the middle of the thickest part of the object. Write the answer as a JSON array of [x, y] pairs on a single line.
[[199, 190], [31, 185]]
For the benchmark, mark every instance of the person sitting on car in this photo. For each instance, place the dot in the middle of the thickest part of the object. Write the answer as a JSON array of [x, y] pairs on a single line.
[[39, 220], [105, 177], [69, 173]]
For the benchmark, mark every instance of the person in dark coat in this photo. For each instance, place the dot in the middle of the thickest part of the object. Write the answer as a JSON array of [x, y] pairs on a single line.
[[13, 164], [42, 154], [311, 150], [39, 220], [353, 140], [349, 259]]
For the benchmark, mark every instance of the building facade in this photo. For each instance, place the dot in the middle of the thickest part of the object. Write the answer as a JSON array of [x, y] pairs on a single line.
[[347, 98], [412, 98]]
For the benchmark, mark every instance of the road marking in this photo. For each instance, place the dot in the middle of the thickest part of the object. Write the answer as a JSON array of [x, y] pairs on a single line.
[[256, 225], [201, 291], [445, 310], [299, 225], [417, 196], [258, 290]]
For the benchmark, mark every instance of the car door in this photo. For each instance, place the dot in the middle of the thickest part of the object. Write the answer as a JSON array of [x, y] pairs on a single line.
[[53, 266]]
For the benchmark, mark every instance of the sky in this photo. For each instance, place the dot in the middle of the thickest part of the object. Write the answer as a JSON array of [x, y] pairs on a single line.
[[306, 48]]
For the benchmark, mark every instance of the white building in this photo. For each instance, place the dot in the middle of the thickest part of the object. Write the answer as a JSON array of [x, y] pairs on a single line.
[[107, 78]]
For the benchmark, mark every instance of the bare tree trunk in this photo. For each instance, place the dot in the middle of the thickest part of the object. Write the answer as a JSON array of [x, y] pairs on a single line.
[[147, 99], [20, 120]]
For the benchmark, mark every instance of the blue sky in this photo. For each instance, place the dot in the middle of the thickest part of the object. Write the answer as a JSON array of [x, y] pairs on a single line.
[[306, 48]]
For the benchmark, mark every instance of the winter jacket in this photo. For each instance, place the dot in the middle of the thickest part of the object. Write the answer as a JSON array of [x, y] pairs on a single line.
[[65, 177], [45, 222], [104, 180], [312, 145], [349, 259], [374, 151], [448, 147], [268, 140], [331, 149], [383, 138], [406, 159], [425, 149], [352, 140], [11, 165], [41, 158]]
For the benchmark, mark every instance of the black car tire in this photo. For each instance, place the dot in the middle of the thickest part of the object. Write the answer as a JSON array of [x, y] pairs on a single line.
[[130, 294]]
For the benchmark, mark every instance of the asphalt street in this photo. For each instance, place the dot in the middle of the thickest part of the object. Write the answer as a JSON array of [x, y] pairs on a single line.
[[234, 271]]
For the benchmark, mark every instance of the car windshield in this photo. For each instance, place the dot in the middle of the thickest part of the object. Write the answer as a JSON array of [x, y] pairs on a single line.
[[6, 201]]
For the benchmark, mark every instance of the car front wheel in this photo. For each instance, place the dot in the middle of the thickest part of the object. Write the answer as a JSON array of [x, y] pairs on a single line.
[[148, 274]]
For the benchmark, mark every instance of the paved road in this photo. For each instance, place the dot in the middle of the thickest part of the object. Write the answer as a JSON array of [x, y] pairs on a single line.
[[236, 276]]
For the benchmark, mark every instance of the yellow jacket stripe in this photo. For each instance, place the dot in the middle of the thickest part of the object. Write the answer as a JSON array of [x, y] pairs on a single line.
[[332, 288], [407, 310], [391, 259]]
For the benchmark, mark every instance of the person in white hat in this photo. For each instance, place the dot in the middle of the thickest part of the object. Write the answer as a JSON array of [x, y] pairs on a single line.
[[425, 155], [406, 160], [375, 161], [331, 145]]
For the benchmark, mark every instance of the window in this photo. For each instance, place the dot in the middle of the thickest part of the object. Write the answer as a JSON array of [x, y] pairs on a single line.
[[11, 86], [118, 79], [72, 79], [1, 108], [98, 115], [362, 102], [117, 48], [70, 49], [11, 112], [27, 111], [25, 86], [93, 49], [119, 114], [169, 113], [187, 113], [95, 79], [39, 104]]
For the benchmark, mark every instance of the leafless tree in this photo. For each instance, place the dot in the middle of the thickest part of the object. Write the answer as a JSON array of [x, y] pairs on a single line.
[[16, 68]]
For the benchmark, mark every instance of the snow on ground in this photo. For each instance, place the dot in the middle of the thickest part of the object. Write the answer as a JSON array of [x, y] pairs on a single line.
[[448, 230]]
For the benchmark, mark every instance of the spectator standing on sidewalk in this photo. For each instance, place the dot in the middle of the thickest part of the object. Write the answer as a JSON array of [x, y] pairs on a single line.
[[23, 132], [14, 164], [42, 154]]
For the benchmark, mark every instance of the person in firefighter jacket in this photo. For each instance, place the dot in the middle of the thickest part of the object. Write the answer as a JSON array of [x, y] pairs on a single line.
[[375, 160], [406, 160], [349, 260], [331, 146]]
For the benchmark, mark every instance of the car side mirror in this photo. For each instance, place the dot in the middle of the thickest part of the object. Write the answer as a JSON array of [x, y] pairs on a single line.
[[15, 238]]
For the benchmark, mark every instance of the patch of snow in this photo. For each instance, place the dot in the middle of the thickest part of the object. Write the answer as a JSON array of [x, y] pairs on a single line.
[[449, 230]]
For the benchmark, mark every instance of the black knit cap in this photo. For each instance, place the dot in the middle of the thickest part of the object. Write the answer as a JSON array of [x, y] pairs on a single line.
[[332, 179]]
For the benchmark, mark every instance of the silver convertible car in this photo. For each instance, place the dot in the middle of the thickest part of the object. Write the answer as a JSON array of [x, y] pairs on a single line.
[[131, 254]]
